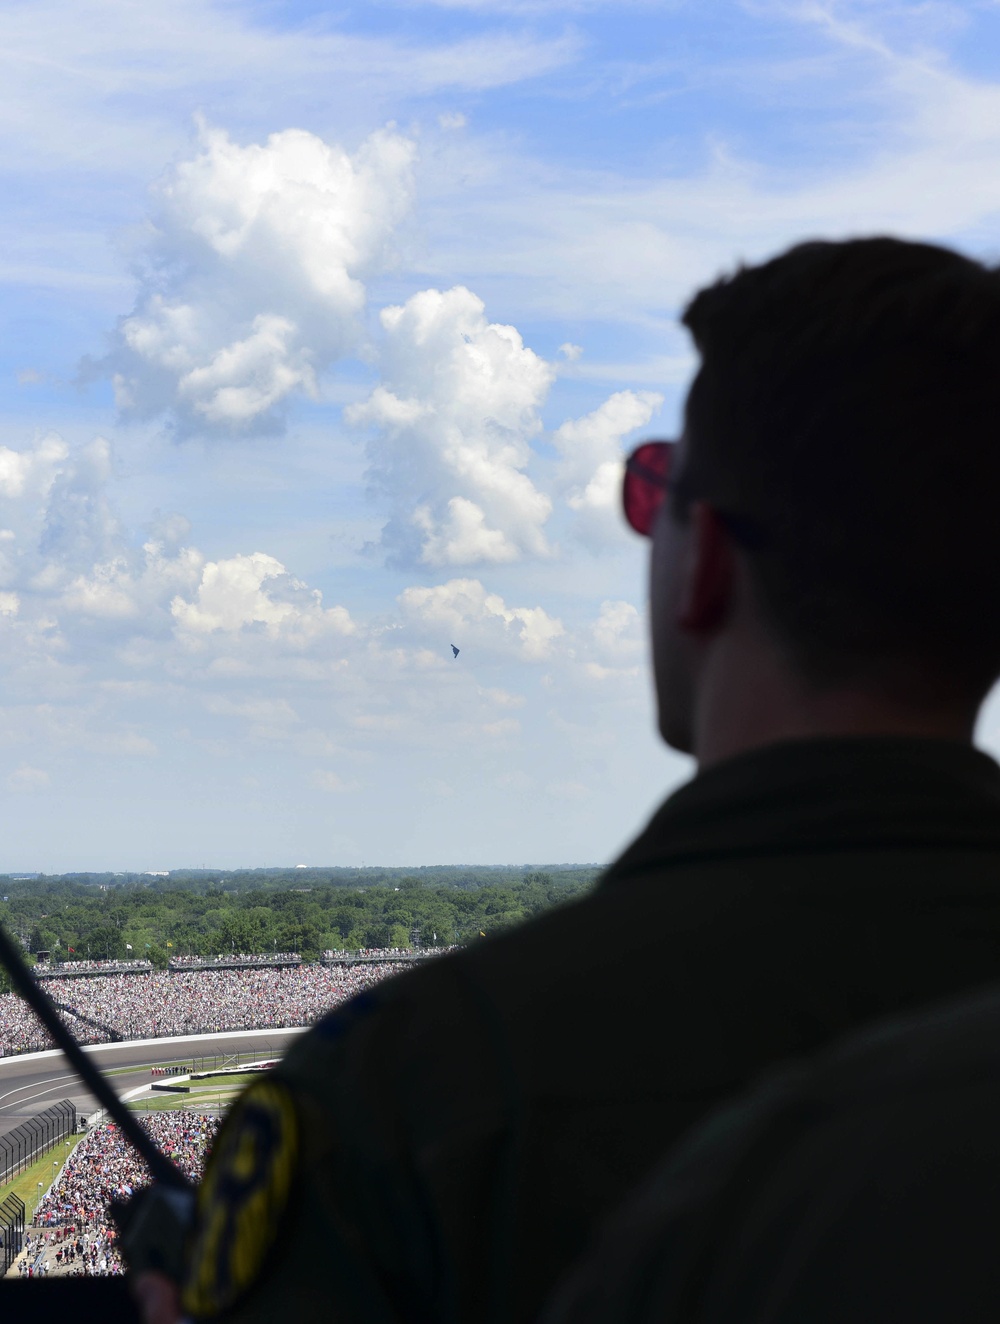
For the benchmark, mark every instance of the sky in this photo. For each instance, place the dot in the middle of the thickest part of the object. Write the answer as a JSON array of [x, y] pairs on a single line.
[[323, 333]]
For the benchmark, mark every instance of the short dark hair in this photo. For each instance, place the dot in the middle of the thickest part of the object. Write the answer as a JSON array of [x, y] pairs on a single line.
[[848, 403]]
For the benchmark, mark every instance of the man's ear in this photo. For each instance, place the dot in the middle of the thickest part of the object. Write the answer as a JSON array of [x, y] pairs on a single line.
[[708, 573]]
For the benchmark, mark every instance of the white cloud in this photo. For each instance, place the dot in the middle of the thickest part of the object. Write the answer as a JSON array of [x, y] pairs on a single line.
[[135, 584], [477, 621], [27, 778], [615, 644], [165, 56], [592, 456], [254, 274], [20, 471], [242, 592], [456, 408]]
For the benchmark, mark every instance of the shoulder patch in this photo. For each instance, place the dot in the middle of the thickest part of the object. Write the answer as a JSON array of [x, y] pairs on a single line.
[[242, 1198]]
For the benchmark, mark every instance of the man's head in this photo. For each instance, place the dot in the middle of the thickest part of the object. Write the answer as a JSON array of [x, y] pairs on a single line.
[[847, 412]]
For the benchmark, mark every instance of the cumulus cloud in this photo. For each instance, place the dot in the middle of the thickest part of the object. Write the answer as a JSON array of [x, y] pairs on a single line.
[[31, 469], [257, 592], [591, 455], [80, 525], [133, 584], [616, 642], [65, 550], [465, 610], [456, 409], [123, 649], [253, 279]]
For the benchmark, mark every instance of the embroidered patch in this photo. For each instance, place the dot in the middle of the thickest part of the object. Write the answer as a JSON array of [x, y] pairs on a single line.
[[242, 1199]]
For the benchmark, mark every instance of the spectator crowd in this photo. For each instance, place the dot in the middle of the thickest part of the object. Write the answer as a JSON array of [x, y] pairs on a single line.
[[231, 958], [73, 1234], [158, 1005], [49, 970]]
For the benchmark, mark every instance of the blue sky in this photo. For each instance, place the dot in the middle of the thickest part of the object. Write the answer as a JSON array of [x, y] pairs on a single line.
[[323, 333]]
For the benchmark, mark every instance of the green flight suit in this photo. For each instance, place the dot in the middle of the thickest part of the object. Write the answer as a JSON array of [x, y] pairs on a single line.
[[459, 1130]]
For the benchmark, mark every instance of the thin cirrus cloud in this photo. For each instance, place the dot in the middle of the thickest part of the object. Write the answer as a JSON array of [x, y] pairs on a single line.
[[169, 57]]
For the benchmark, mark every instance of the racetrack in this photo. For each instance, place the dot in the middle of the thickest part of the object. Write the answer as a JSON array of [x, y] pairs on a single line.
[[35, 1081]]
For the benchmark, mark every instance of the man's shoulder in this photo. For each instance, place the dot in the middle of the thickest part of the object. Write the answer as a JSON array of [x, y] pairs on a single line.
[[613, 938], [448, 997]]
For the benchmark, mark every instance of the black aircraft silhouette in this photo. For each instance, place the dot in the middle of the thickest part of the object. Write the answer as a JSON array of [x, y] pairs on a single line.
[[455, 650]]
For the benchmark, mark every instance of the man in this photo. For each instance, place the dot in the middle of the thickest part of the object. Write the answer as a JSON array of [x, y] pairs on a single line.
[[860, 1186], [825, 569]]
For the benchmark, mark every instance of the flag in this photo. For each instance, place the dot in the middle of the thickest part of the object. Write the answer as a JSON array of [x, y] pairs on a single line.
[[73, 950], [128, 946], [170, 944], [482, 934]]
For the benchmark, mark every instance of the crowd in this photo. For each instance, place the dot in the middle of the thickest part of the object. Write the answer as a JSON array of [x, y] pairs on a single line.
[[229, 958], [89, 967], [367, 953], [385, 953], [73, 1233], [156, 1005]]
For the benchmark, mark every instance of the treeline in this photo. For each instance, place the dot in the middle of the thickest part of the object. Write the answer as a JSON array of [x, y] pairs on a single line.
[[282, 879], [159, 918]]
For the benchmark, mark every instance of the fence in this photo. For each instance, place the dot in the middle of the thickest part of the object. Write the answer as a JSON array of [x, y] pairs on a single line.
[[11, 1231], [348, 958], [30, 1140], [182, 965], [88, 969]]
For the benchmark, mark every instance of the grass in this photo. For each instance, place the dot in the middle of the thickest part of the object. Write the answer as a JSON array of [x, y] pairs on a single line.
[[205, 1094], [237, 1078], [185, 1062], [195, 1103], [26, 1184]]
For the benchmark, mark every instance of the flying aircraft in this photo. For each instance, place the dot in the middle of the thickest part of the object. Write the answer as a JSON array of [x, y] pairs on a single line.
[[455, 650]]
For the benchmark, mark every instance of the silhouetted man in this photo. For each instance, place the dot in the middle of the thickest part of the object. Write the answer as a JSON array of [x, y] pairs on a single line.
[[825, 569], [859, 1187]]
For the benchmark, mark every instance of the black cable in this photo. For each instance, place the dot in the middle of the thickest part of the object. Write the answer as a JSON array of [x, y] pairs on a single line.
[[41, 1004]]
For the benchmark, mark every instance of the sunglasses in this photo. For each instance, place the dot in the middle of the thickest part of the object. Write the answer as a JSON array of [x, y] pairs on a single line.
[[649, 476], [646, 483]]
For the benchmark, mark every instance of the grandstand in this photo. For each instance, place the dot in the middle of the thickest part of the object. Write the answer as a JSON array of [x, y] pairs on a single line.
[[178, 1002], [70, 1232], [84, 969]]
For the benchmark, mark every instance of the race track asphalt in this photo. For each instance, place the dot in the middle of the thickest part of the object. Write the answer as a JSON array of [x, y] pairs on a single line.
[[33, 1083]]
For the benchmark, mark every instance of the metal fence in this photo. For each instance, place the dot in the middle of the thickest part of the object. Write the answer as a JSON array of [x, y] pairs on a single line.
[[30, 1140], [185, 965], [89, 969], [397, 958], [11, 1231]]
